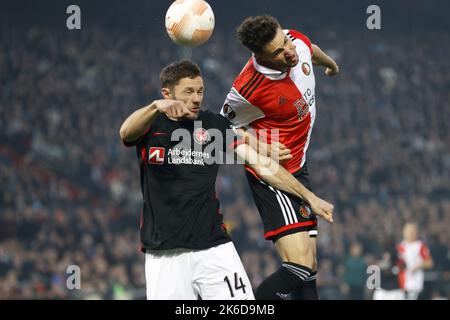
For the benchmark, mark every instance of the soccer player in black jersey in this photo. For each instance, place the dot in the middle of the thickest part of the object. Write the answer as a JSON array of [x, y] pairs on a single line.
[[188, 250]]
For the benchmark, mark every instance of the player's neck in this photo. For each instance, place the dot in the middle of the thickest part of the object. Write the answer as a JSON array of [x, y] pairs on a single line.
[[273, 67], [270, 65]]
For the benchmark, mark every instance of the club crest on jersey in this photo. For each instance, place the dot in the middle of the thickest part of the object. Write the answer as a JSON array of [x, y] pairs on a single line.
[[229, 113], [201, 136], [156, 155], [306, 68], [282, 100], [305, 211]]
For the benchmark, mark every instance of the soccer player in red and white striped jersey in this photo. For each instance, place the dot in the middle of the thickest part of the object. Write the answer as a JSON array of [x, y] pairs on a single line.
[[414, 257], [276, 91]]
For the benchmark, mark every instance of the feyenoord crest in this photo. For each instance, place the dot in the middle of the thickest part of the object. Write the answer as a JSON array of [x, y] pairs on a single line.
[[306, 68], [201, 136], [305, 211]]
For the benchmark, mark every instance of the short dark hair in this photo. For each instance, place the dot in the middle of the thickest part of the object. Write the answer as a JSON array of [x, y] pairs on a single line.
[[255, 32], [174, 72]]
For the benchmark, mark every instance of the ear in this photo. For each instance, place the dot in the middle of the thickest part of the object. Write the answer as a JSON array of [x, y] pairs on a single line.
[[259, 59], [166, 93]]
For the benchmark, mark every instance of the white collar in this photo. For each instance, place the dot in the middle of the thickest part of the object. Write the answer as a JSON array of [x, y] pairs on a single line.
[[269, 73]]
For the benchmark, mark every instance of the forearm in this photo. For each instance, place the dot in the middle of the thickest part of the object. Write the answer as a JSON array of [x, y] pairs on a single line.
[[138, 122], [321, 58], [273, 173], [278, 177], [261, 147]]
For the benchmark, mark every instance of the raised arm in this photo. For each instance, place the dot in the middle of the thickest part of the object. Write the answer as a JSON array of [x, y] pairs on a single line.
[[320, 58], [140, 120]]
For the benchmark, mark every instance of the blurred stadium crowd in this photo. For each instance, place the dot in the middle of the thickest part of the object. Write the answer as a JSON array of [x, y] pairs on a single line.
[[69, 189]]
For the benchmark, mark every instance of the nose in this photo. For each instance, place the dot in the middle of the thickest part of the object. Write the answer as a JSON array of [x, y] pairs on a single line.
[[290, 52], [196, 97]]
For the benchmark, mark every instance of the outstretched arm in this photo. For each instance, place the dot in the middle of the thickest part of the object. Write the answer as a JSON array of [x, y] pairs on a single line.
[[278, 177], [320, 58], [275, 150]]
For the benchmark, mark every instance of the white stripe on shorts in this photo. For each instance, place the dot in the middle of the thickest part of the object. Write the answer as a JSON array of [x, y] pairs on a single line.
[[294, 216], [288, 212], [286, 207], [300, 273], [285, 204], [285, 215]]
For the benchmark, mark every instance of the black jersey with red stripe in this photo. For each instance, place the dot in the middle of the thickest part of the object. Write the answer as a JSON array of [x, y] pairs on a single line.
[[180, 207], [268, 100]]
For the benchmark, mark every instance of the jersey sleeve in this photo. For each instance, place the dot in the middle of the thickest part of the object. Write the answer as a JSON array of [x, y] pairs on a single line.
[[400, 250], [224, 124], [238, 110], [425, 252], [229, 133], [137, 141], [298, 35]]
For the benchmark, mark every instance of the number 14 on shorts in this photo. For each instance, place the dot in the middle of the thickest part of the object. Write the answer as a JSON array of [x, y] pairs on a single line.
[[238, 284]]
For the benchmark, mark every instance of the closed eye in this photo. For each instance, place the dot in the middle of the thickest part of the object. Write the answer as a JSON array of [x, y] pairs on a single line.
[[280, 50]]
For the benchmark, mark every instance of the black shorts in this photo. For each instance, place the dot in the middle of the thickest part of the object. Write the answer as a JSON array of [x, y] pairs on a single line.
[[281, 212]]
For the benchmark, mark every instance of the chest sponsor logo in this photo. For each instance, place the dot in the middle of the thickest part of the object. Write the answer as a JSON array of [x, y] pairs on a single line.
[[302, 108], [156, 155], [304, 104]]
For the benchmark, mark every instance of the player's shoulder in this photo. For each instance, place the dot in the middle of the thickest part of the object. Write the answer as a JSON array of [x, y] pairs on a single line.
[[247, 74], [424, 249], [249, 84], [422, 244], [214, 119], [209, 115], [297, 35], [400, 247]]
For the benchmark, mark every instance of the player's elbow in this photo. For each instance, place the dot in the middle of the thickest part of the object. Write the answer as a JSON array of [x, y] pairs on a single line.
[[258, 168], [123, 132], [265, 167], [258, 162]]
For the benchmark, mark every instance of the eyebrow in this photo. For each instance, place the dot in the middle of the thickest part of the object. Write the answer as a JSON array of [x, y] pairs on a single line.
[[278, 50]]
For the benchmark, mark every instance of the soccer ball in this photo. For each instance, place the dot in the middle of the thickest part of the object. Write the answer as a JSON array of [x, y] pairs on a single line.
[[190, 22]]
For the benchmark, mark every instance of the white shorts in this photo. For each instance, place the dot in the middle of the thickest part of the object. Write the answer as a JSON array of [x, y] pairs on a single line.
[[381, 294], [182, 274]]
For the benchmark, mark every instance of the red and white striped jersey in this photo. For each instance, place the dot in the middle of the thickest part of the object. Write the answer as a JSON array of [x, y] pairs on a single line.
[[412, 254], [267, 99]]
